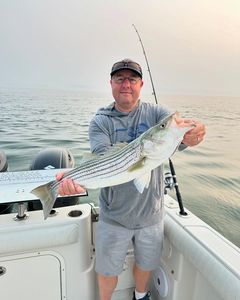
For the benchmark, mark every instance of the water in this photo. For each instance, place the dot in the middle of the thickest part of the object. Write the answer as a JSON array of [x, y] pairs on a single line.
[[208, 175]]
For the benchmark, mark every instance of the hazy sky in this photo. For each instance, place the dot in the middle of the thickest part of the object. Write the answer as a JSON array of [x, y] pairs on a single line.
[[192, 46]]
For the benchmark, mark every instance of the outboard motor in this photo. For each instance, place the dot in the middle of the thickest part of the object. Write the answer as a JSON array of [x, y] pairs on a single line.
[[3, 162], [53, 158], [4, 208]]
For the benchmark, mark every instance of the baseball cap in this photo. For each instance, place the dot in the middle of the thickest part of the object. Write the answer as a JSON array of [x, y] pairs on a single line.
[[127, 64]]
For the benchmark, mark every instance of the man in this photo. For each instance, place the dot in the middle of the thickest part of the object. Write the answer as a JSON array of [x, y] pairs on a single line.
[[125, 214]]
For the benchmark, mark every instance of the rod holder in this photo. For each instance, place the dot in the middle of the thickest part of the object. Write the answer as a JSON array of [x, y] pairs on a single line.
[[21, 212]]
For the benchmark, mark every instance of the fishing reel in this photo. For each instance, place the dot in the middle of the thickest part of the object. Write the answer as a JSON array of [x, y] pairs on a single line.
[[168, 181]]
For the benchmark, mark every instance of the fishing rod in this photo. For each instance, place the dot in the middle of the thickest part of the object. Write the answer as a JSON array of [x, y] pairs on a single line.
[[170, 182], [145, 55]]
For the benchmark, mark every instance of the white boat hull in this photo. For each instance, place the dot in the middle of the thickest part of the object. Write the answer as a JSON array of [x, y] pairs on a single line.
[[54, 259]]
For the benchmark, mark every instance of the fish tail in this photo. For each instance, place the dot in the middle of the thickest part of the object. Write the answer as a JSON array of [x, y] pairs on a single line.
[[47, 196]]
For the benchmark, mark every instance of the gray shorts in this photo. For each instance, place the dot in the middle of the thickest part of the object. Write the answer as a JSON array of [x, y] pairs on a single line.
[[112, 244]]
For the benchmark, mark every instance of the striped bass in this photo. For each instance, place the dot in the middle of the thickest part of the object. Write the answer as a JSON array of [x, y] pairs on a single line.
[[133, 161]]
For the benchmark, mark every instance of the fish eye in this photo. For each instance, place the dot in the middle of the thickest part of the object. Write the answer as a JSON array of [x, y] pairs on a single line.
[[163, 125]]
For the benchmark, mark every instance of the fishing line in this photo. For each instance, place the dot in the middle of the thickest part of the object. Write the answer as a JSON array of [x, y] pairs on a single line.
[[174, 177], [145, 55]]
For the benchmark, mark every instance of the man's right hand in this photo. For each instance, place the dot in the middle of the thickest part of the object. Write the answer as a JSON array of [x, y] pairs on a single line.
[[68, 187]]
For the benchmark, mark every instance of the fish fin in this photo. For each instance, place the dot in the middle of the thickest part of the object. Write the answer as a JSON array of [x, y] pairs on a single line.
[[47, 196], [137, 165], [142, 182]]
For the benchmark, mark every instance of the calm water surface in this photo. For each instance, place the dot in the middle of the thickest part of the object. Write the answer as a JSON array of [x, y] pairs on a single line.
[[208, 175]]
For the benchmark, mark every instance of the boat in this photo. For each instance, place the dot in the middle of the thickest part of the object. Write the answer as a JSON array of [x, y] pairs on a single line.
[[54, 259]]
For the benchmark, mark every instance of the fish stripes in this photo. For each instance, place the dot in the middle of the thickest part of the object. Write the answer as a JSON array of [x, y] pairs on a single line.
[[155, 146], [122, 162]]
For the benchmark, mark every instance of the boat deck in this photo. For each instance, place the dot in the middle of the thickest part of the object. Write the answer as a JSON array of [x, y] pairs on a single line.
[[54, 259]]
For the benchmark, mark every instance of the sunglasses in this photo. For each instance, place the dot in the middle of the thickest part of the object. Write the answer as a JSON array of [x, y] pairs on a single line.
[[120, 79]]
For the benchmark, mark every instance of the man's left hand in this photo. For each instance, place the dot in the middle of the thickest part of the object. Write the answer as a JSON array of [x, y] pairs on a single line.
[[194, 136]]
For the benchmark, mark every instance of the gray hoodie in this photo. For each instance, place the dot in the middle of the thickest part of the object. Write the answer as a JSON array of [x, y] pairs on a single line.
[[122, 203]]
